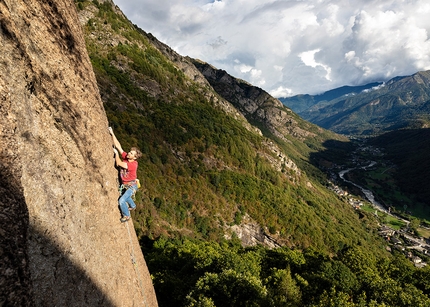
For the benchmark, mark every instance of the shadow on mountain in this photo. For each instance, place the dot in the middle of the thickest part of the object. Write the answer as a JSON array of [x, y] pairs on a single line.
[[336, 153], [409, 150], [335, 157], [33, 270]]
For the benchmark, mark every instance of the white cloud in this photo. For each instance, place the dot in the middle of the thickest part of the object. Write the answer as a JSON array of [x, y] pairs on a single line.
[[308, 58], [374, 88], [292, 47], [281, 92]]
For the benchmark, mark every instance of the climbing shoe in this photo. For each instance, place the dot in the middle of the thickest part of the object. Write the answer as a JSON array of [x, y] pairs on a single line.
[[124, 219]]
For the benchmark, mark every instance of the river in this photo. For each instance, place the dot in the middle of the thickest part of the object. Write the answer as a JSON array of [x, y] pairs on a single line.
[[369, 195]]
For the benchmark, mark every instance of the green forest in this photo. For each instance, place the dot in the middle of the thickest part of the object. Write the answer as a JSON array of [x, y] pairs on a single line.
[[197, 273], [204, 171]]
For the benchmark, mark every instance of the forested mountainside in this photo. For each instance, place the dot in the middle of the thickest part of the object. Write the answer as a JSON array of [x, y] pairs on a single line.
[[206, 166], [228, 171], [402, 102]]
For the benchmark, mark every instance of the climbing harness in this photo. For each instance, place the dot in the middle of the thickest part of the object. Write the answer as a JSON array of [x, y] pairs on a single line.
[[123, 187], [136, 268]]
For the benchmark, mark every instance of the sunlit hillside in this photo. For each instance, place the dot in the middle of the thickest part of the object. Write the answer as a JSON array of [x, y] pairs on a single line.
[[204, 167]]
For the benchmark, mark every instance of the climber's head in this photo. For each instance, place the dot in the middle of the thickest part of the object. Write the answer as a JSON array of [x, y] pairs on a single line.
[[134, 154]]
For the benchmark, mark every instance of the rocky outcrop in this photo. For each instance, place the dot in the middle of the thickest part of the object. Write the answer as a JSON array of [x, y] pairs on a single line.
[[61, 240], [254, 103], [251, 233]]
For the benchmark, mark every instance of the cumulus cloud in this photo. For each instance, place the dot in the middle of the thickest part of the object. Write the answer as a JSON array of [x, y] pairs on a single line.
[[294, 47], [308, 58]]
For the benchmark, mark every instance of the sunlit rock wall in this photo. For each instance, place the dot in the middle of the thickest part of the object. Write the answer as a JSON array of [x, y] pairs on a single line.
[[62, 243]]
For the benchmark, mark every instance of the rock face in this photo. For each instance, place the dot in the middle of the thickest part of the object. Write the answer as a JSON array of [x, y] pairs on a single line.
[[254, 102], [61, 240], [251, 234]]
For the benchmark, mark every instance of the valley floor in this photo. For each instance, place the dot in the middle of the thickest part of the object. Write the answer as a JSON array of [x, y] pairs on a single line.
[[395, 228]]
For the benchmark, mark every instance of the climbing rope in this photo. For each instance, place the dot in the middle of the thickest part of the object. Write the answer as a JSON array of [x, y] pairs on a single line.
[[136, 268]]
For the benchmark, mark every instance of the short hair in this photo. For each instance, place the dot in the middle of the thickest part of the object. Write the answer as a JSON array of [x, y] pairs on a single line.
[[138, 152]]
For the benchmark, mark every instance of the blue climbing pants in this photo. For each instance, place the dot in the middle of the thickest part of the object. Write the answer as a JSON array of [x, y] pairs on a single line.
[[126, 200]]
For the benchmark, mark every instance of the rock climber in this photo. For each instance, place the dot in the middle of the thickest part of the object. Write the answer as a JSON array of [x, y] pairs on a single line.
[[127, 164]]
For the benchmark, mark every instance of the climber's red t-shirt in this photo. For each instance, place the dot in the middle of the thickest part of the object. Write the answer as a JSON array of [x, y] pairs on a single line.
[[129, 174]]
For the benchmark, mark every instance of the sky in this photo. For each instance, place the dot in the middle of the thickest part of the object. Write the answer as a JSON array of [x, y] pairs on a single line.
[[290, 47]]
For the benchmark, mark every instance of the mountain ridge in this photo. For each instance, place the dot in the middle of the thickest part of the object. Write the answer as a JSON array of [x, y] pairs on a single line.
[[301, 102], [399, 103]]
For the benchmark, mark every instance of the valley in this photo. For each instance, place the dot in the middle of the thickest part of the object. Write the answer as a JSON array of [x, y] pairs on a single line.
[[398, 225], [367, 193]]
